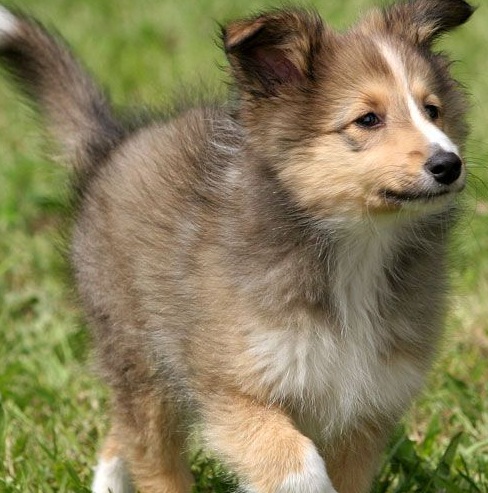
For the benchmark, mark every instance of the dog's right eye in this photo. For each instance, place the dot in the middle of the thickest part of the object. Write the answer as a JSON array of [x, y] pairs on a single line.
[[369, 120], [432, 111]]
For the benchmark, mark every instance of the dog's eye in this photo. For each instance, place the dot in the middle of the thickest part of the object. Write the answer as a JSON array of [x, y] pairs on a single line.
[[370, 120], [433, 112]]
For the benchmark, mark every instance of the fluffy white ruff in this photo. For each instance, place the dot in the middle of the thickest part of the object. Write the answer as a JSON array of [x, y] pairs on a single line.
[[312, 479], [8, 24], [111, 476]]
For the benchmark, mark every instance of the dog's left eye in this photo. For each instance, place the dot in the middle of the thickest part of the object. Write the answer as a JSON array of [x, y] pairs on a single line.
[[433, 112]]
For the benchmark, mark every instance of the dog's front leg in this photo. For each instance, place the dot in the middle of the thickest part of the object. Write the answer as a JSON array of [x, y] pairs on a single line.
[[262, 446], [353, 460]]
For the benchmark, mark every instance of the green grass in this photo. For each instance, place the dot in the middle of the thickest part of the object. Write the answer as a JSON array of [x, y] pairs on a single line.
[[51, 405]]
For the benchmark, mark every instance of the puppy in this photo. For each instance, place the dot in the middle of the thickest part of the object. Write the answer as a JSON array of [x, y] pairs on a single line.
[[273, 269]]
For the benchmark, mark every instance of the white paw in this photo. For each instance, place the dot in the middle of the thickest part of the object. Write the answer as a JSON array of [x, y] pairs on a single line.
[[111, 476], [313, 478], [8, 23]]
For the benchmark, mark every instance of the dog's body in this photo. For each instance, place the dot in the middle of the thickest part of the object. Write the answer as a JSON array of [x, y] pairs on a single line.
[[276, 271]]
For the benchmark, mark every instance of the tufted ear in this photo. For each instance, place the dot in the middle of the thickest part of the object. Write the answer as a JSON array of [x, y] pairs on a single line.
[[273, 51], [423, 21]]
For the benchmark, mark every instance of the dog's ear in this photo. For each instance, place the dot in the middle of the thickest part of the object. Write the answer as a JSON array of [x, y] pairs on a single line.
[[273, 51], [423, 21]]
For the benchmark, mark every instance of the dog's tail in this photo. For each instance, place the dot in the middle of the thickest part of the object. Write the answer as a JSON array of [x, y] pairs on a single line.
[[76, 111]]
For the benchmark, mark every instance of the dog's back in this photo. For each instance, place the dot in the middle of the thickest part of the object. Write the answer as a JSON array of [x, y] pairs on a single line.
[[274, 269]]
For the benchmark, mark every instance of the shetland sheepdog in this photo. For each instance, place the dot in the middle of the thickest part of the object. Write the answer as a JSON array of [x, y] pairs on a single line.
[[271, 270]]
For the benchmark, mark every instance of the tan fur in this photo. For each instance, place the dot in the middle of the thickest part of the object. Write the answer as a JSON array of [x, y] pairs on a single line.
[[148, 437], [244, 430], [272, 272], [353, 462]]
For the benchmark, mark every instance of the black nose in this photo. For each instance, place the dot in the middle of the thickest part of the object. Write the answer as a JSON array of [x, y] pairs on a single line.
[[445, 167]]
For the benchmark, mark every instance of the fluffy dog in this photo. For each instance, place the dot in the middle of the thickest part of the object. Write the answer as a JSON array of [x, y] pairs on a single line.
[[272, 269]]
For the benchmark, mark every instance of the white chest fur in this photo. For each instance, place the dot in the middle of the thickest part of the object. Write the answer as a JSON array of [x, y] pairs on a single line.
[[337, 374]]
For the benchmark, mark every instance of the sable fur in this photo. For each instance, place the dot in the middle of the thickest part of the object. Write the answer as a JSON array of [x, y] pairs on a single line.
[[272, 270]]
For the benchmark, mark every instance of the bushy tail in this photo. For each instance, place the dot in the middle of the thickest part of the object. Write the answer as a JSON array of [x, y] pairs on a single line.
[[76, 112]]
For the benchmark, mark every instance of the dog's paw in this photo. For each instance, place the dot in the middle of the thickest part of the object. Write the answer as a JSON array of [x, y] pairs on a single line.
[[111, 476], [312, 479]]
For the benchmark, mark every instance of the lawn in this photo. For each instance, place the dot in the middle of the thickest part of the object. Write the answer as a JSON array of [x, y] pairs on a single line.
[[51, 404]]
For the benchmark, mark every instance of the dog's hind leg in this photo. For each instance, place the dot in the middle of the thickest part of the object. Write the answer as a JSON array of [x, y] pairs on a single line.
[[144, 451]]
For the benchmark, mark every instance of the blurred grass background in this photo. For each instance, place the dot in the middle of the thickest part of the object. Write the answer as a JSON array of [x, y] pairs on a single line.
[[51, 405]]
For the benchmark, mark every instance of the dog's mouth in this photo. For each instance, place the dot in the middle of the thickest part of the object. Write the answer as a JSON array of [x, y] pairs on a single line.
[[411, 197]]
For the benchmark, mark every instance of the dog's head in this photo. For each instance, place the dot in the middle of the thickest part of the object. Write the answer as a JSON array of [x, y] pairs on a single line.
[[363, 122]]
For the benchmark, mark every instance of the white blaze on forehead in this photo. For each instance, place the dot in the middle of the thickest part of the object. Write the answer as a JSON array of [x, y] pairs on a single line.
[[431, 132]]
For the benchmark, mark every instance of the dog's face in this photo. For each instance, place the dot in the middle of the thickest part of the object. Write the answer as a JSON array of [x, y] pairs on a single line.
[[365, 122]]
